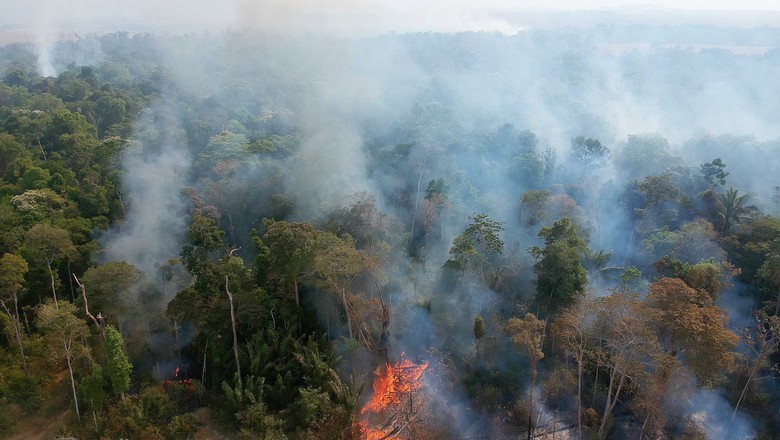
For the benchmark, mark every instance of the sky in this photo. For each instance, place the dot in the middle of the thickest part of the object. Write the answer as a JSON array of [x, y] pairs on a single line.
[[356, 15]]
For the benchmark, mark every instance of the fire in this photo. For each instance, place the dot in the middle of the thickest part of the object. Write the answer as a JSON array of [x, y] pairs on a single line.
[[397, 381], [392, 384]]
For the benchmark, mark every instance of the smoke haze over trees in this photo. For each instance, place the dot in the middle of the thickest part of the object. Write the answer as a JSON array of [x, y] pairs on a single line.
[[573, 229]]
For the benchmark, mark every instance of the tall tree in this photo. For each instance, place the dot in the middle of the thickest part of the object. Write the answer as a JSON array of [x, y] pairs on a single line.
[[714, 172], [49, 244], [473, 250], [560, 276], [526, 335], [571, 329], [286, 254], [336, 264], [690, 327], [733, 209], [12, 271], [64, 334], [627, 343], [118, 366]]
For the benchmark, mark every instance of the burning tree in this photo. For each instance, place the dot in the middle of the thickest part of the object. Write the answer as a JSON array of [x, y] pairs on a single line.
[[392, 405]]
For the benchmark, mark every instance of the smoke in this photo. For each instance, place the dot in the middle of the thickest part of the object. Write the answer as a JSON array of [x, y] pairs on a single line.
[[386, 114], [710, 411], [155, 167]]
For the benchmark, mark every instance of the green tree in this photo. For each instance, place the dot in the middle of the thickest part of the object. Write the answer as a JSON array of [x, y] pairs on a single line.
[[48, 244], [93, 391], [733, 208], [472, 250], [118, 367], [589, 151], [560, 276], [336, 264], [714, 172], [64, 334], [12, 271], [286, 254]]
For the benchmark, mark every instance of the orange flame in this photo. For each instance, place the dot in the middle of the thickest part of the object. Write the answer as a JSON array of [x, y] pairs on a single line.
[[176, 375], [397, 381]]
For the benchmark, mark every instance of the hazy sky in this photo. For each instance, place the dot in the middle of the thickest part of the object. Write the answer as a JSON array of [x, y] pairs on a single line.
[[356, 15]]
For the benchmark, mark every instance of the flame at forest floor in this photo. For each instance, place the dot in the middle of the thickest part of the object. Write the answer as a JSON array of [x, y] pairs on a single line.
[[392, 384]]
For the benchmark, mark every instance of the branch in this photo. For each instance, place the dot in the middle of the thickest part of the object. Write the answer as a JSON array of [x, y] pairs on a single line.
[[86, 304]]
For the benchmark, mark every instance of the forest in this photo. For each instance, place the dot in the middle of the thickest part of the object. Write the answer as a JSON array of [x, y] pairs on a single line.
[[404, 236]]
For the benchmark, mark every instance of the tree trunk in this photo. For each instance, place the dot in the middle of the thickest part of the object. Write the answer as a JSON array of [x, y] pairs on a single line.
[[531, 402], [72, 381], [579, 394], [777, 304], [611, 399], [233, 325], [17, 331], [347, 312], [70, 279], [416, 204], [297, 293], [53, 289], [203, 371]]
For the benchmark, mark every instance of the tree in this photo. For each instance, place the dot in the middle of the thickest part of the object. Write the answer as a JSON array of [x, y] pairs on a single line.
[[110, 286], [64, 333], [48, 244], [118, 366], [286, 254], [92, 390], [762, 341], [627, 343], [435, 202], [690, 327], [733, 209], [769, 272], [589, 151], [560, 276], [12, 271], [714, 172], [479, 330], [336, 264], [526, 335], [570, 328], [472, 250]]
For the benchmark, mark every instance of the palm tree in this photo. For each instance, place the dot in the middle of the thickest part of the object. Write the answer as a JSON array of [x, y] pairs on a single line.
[[733, 209]]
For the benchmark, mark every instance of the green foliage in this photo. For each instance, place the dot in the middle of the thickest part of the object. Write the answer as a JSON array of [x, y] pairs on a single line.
[[645, 154], [23, 390], [589, 151], [118, 367], [733, 208], [92, 388], [560, 276], [476, 246], [7, 422], [479, 327], [12, 271], [714, 172]]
